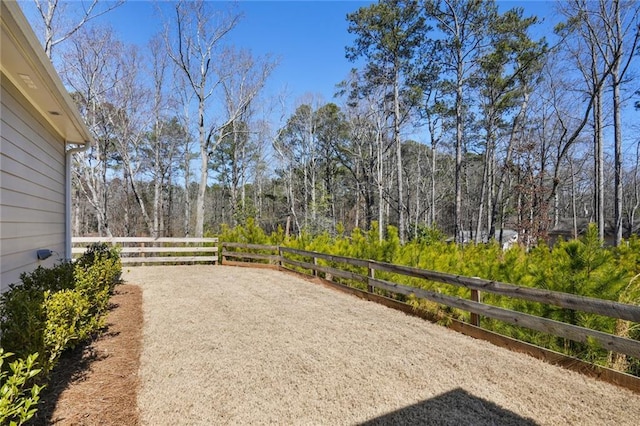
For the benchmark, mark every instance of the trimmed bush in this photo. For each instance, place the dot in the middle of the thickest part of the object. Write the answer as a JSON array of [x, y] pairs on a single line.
[[22, 308], [53, 309], [23, 320], [59, 277], [69, 321], [98, 252]]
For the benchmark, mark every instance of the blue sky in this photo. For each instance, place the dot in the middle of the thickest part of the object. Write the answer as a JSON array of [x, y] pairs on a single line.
[[309, 37]]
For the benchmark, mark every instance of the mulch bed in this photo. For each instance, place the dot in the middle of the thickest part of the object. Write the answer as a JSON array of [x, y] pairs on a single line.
[[97, 383]]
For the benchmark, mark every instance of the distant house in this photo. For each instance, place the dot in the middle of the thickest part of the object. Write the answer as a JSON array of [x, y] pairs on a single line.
[[509, 238], [39, 125], [565, 230]]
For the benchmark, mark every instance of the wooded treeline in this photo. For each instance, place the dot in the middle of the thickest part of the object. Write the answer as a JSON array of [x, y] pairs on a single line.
[[457, 116]]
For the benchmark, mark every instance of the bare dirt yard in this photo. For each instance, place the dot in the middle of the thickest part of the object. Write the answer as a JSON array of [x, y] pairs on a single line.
[[228, 345]]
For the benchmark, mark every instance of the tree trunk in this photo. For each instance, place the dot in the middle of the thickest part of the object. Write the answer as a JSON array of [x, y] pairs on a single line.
[[76, 215], [485, 192], [619, 361], [458, 226], [139, 200], [432, 217], [514, 134], [357, 212], [380, 190], [187, 196], [157, 195], [314, 202], [491, 178], [398, 144], [599, 163], [235, 173], [204, 169], [617, 240], [574, 215]]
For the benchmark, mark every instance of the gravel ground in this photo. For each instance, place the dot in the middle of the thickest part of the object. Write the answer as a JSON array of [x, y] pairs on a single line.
[[228, 345]]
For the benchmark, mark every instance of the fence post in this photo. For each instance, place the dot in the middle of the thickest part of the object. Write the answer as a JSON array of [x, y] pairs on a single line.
[[371, 274], [315, 264], [279, 256], [476, 296]]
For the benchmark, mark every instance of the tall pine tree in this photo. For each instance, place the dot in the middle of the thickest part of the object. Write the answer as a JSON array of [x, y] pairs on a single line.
[[388, 36]]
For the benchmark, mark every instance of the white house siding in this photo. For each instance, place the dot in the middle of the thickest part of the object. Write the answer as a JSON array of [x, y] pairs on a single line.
[[32, 185]]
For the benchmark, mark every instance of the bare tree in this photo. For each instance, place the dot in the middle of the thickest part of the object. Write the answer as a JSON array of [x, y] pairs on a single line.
[[286, 170], [245, 76], [603, 30], [632, 194], [367, 153], [184, 97], [159, 68], [58, 24], [438, 123], [535, 145], [131, 120], [298, 146], [164, 138], [193, 44], [622, 27], [93, 71]]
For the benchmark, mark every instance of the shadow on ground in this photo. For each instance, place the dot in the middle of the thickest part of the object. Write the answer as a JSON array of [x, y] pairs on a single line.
[[456, 407], [73, 366]]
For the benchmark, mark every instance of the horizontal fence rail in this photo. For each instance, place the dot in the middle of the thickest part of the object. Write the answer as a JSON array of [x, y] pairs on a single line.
[[271, 258], [142, 250], [563, 300], [477, 309]]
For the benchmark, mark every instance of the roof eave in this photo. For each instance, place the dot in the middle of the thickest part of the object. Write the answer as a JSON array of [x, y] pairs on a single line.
[[25, 63]]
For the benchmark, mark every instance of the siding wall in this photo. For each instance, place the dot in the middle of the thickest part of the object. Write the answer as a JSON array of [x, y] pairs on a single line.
[[32, 185]]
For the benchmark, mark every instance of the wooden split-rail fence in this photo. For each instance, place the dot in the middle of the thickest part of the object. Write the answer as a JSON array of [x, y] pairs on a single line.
[[287, 257], [137, 250], [146, 250]]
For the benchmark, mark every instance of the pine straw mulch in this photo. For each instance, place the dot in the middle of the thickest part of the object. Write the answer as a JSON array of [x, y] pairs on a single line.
[[97, 383]]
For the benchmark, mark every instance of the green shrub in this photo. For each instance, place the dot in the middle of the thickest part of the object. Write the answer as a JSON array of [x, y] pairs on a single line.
[[429, 234], [57, 307], [46, 322], [51, 310], [96, 282], [23, 320], [55, 278], [18, 394], [69, 321], [250, 232], [96, 274], [97, 252], [22, 307]]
